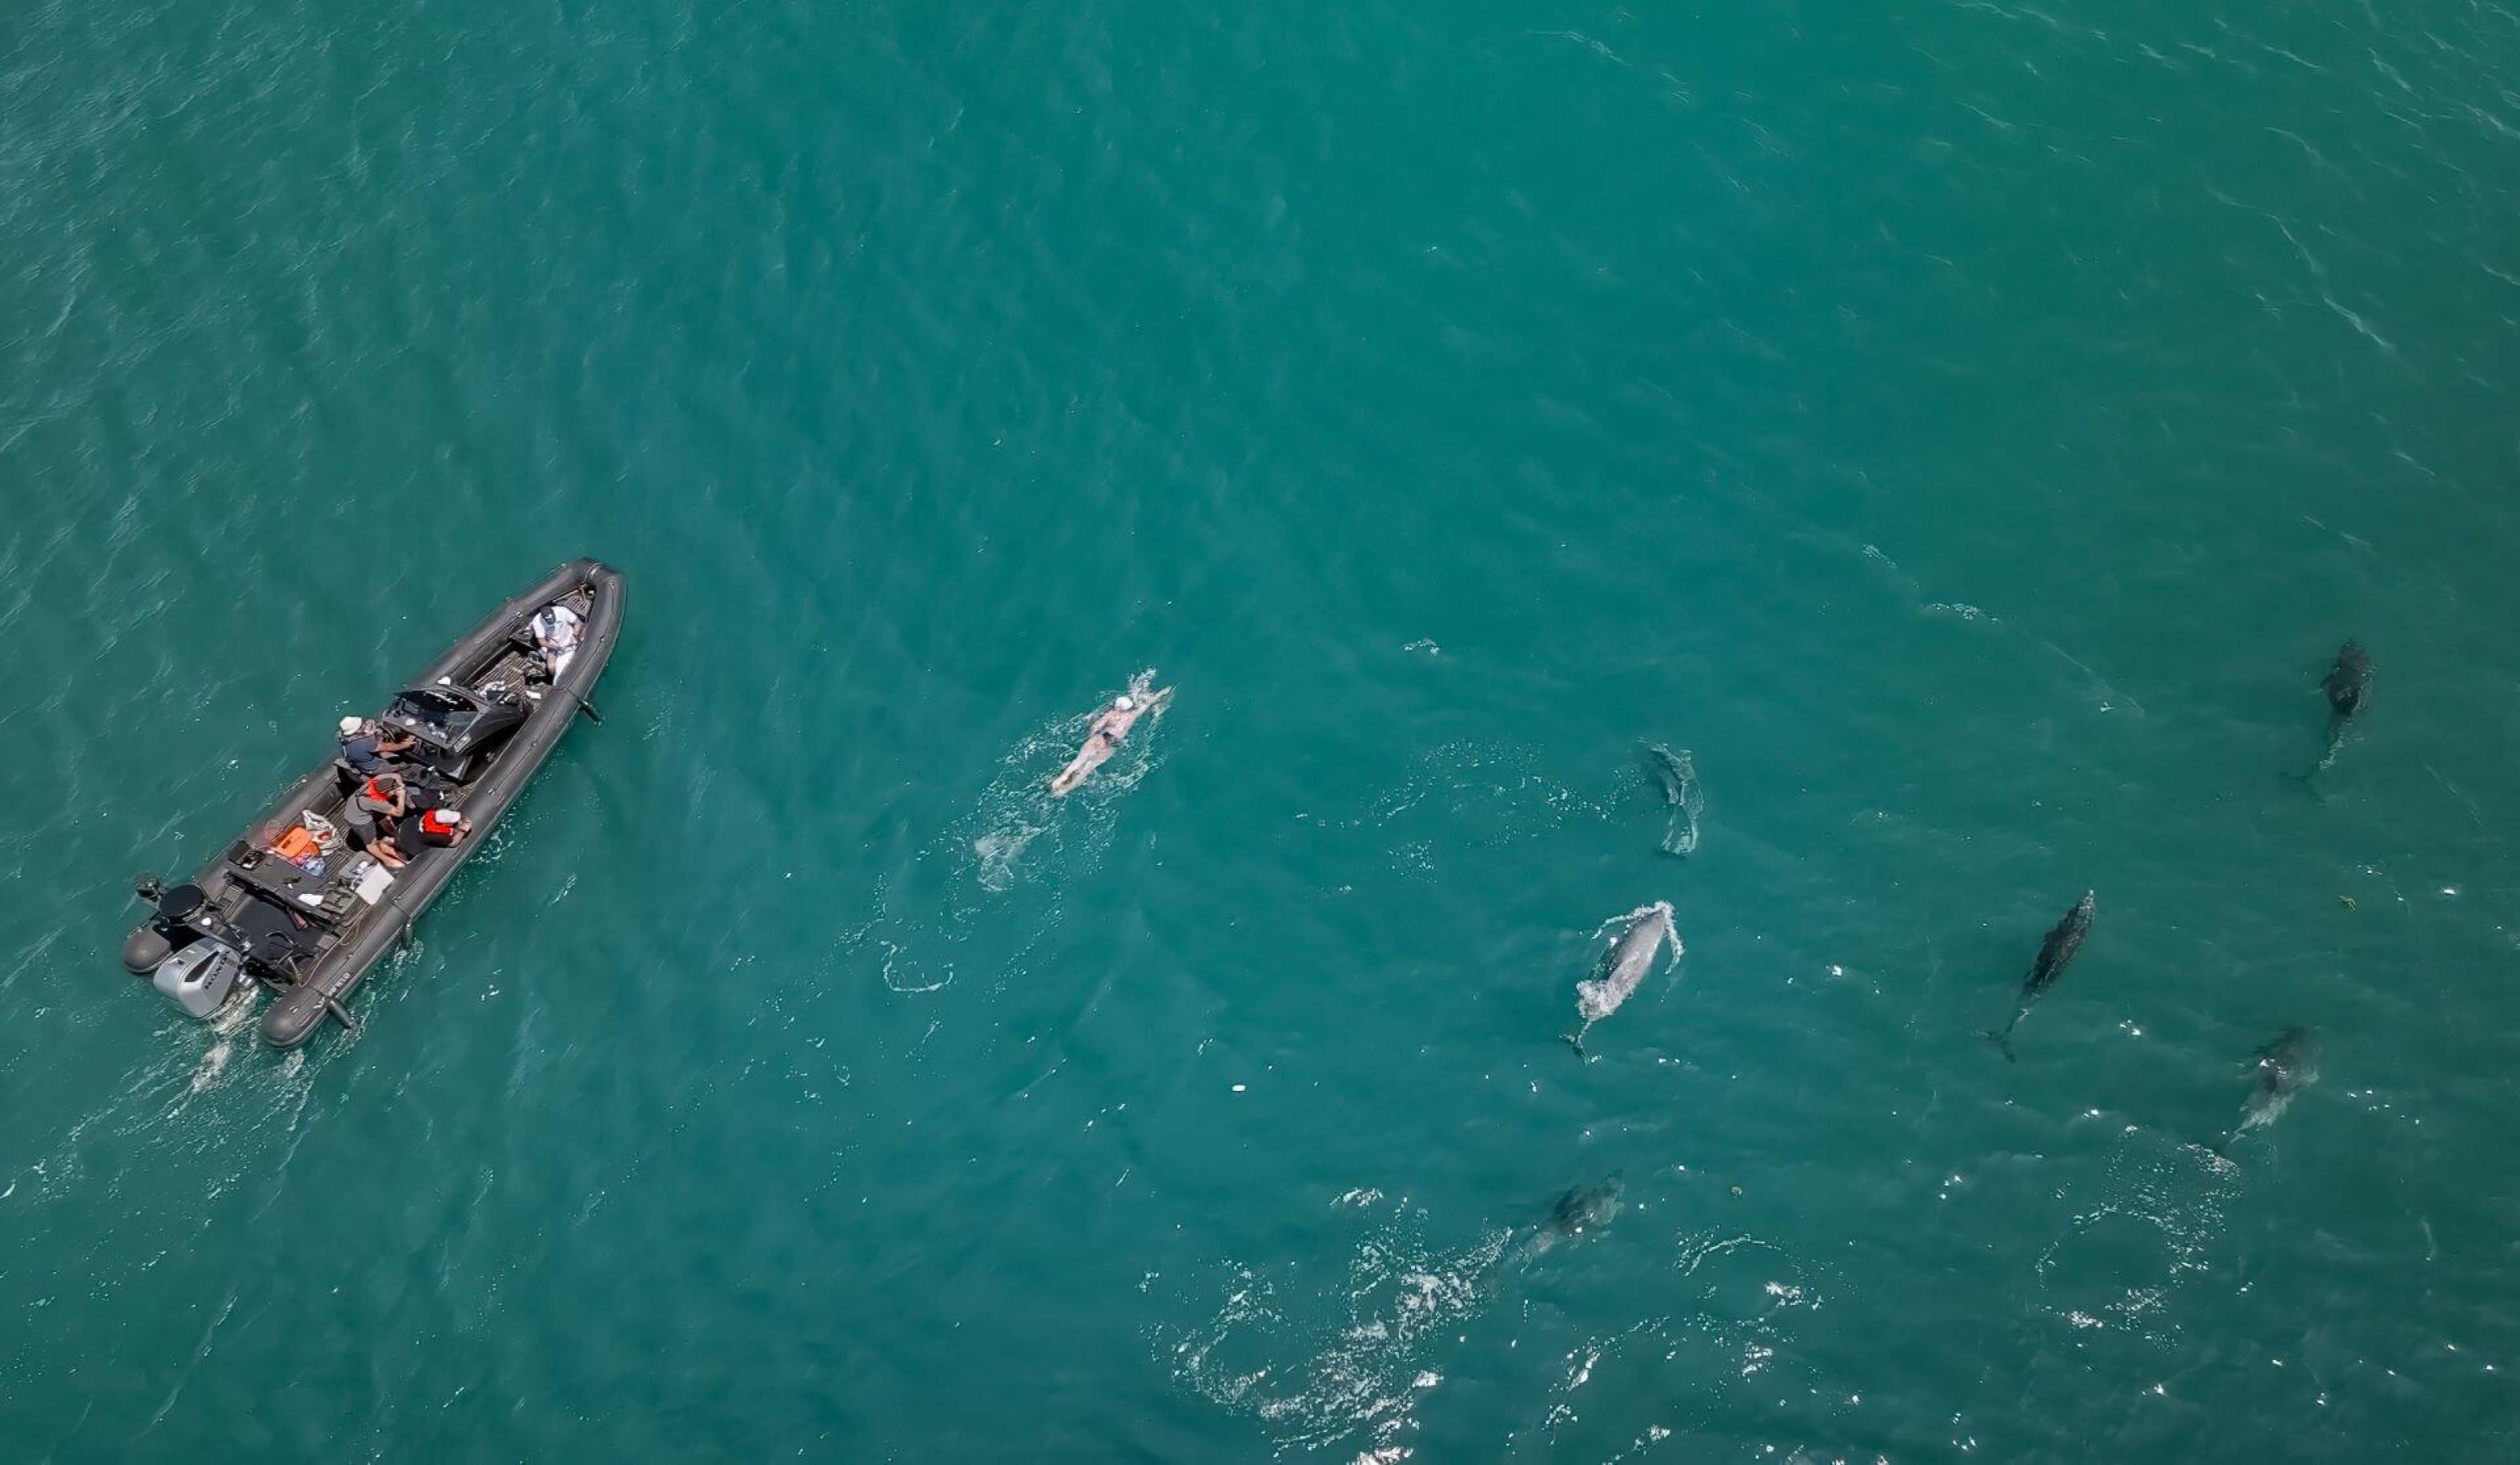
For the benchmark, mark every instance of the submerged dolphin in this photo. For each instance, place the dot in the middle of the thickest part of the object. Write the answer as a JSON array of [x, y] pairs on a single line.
[[1623, 966], [2284, 1067], [2348, 686], [1586, 1208], [2056, 954], [1677, 775]]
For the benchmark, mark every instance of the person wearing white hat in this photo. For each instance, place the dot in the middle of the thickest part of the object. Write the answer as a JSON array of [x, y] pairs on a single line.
[[1113, 723], [365, 746]]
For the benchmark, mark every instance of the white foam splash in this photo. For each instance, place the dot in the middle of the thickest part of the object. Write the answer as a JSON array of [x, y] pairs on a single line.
[[2168, 1202], [892, 964], [1347, 1359], [213, 1064]]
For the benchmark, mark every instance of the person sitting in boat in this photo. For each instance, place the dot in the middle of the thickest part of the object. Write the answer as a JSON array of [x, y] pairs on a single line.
[[443, 828], [365, 745], [557, 632], [375, 811]]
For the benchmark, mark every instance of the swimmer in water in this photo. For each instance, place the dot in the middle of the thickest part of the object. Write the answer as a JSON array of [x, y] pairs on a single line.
[[1109, 727]]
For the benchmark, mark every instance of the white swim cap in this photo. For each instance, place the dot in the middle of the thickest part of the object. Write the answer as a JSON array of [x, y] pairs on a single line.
[[350, 726], [1122, 702]]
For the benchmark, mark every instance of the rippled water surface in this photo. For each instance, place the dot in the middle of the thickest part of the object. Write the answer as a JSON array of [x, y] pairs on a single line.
[[1966, 430]]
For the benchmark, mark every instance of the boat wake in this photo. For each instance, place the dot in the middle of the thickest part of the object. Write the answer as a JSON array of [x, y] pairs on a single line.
[[226, 1027], [210, 1103]]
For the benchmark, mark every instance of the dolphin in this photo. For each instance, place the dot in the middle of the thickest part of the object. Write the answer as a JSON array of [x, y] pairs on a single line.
[[2348, 686], [1623, 966], [2284, 1067], [1585, 1208], [2056, 954], [1677, 776]]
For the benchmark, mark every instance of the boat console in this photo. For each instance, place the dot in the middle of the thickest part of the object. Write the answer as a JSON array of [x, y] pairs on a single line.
[[457, 727]]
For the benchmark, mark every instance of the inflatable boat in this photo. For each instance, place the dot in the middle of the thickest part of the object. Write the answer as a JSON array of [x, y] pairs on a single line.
[[304, 906]]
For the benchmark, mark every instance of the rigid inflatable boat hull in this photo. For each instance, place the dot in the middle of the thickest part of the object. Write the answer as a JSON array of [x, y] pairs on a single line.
[[301, 1008]]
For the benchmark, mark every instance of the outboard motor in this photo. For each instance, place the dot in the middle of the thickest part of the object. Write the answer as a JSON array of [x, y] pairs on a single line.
[[200, 977]]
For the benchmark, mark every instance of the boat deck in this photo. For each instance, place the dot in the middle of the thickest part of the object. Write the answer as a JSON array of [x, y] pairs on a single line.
[[290, 916]]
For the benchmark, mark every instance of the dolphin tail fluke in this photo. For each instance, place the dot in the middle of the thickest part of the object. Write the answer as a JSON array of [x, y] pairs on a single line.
[[1574, 1041], [2002, 1037]]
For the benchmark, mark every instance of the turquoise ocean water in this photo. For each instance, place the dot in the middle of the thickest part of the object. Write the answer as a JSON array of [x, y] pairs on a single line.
[[1967, 429]]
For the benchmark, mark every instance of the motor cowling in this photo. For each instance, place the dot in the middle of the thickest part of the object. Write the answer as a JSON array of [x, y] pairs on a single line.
[[201, 978]]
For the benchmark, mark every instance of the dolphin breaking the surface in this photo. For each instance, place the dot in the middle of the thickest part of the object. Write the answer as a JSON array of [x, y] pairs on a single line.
[[1676, 774], [2284, 1068], [2348, 685], [1585, 1208], [2056, 954], [1624, 966]]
